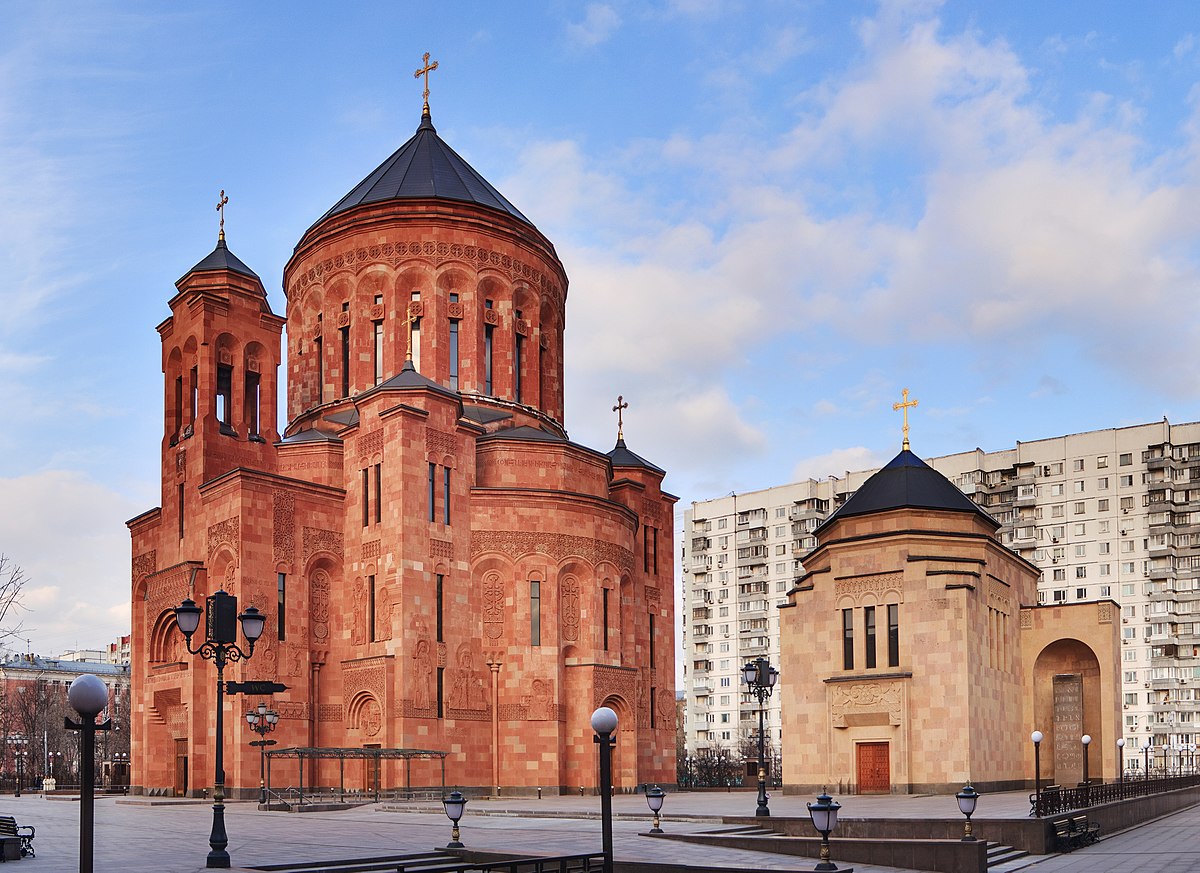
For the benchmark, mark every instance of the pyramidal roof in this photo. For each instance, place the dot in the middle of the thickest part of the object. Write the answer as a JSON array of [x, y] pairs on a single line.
[[221, 258], [622, 457], [423, 168], [907, 482]]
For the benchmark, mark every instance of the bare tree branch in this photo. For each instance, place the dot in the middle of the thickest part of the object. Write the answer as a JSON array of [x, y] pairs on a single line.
[[12, 582]]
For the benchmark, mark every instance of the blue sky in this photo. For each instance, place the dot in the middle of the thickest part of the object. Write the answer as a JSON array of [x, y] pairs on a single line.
[[775, 215]]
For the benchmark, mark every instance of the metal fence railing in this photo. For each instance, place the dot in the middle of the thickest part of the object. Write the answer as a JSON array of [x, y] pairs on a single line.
[[1055, 800]]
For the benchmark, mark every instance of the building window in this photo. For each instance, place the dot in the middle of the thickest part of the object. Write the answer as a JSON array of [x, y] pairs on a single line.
[[371, 608], [604, 595], [415, 347], [652, 635], [318, 346], [433, 492], [535, 613], [488, 348], [280, 605], [180, 494], [377, 346], [1125, 459], [847, 639], [893, 634], [224, 397], [378, 493], [251, 405], [1081, 572], [454, 348], [441, 686], [194, 390], [345, 338], [869, 616], [439, 599], [366, 496], [653, 698], [518, 351]]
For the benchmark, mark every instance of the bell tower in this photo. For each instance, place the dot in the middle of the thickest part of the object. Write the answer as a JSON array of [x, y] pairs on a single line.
[[220, 359]]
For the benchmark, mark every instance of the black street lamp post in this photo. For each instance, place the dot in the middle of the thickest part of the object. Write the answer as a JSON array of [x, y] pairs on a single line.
[[1146, 759], [219, 646], [604, 723], [262, 721], [18, 742], [761, 677], [1121, 759], [88, 696]]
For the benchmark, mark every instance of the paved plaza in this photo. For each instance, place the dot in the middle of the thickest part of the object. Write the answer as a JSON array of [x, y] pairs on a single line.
[[137, 836]]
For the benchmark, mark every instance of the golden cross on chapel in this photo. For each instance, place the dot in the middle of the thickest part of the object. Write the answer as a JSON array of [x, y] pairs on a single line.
[[425, 71], [619, 409], [221, 201], [906, 405], [413, 320]]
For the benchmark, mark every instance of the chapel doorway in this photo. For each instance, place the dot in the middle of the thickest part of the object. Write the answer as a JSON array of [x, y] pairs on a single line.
[[874, 768], [181, 767], [371, 771]]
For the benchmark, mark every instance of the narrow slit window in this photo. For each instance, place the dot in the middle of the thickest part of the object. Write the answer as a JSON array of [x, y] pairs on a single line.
[[445, 495], [488, 347], [366, 497], [178, 404], [224, 398], [377, 336], [847, 639], [440, 594], [605, 623], [652, 641], [454, 348], [318, 345], [415, 348], [869, 619], [893, 612], [378, 493], [433, 492], [180, 494], [252, 399], [281, 606], [195, 392], [345, 337], [535, 613], [441, 684], [518, 352]]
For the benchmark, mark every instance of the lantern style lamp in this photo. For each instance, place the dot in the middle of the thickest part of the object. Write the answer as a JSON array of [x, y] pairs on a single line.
[[967, 798], [654, 799], [824, 815], [454, 805]]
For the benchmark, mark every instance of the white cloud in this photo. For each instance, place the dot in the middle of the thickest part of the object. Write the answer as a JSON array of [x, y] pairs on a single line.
[[837, 463], [599, 23], [63, 529]]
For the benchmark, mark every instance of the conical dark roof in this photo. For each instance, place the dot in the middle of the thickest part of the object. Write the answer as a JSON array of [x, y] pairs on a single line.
[[622, 457], [221, 258], [907, 482], [425, 167]]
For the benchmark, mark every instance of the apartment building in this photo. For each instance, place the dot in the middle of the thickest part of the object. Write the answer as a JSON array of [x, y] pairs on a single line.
[[1107, 514]]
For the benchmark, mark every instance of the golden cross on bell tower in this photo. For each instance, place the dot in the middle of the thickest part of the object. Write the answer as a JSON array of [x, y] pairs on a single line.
[[906, 405], [412, 320], [221, 201], [425, 71], [619, 409]]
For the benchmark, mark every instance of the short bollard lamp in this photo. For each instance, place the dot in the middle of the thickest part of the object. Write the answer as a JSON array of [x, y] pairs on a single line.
[[824, 815], [654, 799], [967, 798], [454, 805], [219, 646], [88, 696]]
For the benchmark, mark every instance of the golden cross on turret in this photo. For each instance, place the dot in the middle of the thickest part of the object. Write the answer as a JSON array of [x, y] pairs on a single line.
[[221, 201], [906, 405], [425, 71], [619, 410]]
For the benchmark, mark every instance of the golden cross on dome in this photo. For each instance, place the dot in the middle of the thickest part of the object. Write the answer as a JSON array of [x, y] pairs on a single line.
[[425, 71], [221, 201], [619, 409], [906, 405]]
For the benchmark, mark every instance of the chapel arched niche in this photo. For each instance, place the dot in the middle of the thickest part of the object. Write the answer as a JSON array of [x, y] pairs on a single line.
[[625, 752], [1067, 701], [492, 577]]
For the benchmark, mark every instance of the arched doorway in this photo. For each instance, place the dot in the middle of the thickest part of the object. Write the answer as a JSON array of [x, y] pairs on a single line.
[[624, 758], [1067, 705]]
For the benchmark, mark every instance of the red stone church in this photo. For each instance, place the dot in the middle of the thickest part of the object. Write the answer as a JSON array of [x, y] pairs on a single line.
[[441, 567]]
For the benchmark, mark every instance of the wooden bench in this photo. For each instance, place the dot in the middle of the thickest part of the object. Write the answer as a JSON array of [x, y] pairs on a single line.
[[10, 830], [1084, 832], [1064, 840]]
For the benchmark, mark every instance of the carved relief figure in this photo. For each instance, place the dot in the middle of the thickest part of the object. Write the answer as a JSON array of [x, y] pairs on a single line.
[[422, 675], [359, 629], [370, 719], [383, 613], [541, 700]]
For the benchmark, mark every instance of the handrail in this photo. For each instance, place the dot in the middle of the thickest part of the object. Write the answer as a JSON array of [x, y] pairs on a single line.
[[1059, 800]]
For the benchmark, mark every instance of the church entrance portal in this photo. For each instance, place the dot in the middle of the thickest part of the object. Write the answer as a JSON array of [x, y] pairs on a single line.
[[874, 768]]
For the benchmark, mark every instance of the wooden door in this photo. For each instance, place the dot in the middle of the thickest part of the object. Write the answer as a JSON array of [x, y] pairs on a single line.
[[874, 768], [181, 768]]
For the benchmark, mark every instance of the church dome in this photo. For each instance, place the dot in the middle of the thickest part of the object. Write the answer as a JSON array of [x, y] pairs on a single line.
[[425, 168], [907, 482]]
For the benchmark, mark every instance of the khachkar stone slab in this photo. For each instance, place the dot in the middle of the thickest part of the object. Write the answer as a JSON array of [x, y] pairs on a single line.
[[1068, 729]]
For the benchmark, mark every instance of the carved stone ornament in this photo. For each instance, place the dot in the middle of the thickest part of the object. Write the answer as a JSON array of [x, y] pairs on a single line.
[[224, 533], [377, 312], [180, 463], [999, 597], [493, 606], [862, 703], [225, 358], [317, 540], [879, 585], [319, 589], [522, 326], [517, 544], [438, 443], [343, 319], [491, 316], [416, 309], [569, 594], [455, 310], [614, 682], [1104, 613], [144, 564], [371, 443], [441, 549], [283, 534]]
